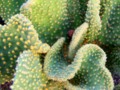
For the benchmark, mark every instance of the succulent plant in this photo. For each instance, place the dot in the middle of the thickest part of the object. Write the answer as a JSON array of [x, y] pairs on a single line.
[[110, 32], [15, 37], [114, 61], [52, 16], [36, 55], [8, 8]]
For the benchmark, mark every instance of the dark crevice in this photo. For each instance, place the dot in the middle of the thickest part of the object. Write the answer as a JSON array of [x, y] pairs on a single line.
[[1, 21]]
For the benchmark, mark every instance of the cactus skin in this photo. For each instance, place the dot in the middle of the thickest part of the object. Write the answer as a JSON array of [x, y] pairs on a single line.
[[52, 85], [77, 39], [93, 18], [110, 31], [56, 66], [29, 75], [51, 18], [92, 75], [114, 61], [8, 8], [83, 9], [16, 36]]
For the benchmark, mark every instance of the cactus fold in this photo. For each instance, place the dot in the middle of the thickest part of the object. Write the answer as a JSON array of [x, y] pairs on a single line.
[[77, 39], [92, 75], [17, 35], [29, 74], [56, 66], [52, 19], [8, 8]]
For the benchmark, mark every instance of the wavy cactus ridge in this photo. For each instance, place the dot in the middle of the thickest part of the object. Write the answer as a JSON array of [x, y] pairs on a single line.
[[29, 75], [56, 66], [92, 75], [51, 17], [77, 39], [17, 35], [8, 8], [94, 20], [110, 24]]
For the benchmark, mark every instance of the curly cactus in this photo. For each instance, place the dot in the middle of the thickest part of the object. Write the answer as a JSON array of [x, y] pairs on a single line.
[[84, 36], [16, 36], [52, 16], [56, 67], [92, 75]]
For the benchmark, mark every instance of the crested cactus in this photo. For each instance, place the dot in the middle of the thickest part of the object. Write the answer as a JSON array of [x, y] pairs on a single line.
[[56, 66], [79, 61], [92, 75]]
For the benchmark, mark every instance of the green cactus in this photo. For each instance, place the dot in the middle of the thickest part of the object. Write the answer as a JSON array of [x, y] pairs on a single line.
[[17, 35], [29, 74], [92, 75], [83, 9], [93, 18], [114, 61], [56, 66], [52, 85], [77, 39], [8, 8], [110, 31], [52, 19], [68, 65]]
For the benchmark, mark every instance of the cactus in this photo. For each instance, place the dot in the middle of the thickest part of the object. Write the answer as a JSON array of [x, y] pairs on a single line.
[[8, 8], [17, 35], [52, 16], [56, 66], [29, 75], [78, 62], [114, 61], [110, 24], [93, 18], [92, 75], [52, 85], [77, 39]]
